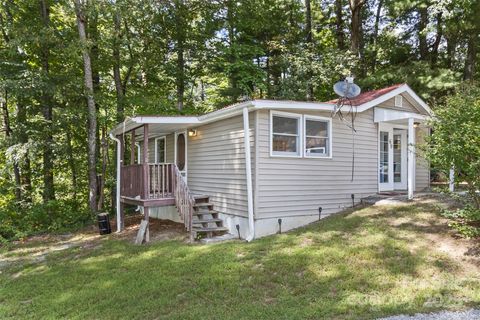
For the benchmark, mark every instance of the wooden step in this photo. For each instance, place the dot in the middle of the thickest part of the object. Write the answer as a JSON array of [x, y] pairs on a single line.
[[212, 229], [200, 198], [204, 204], [206, 221], [201, 213]]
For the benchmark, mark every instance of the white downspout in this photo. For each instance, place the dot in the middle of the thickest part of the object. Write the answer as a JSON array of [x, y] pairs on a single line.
[[117, 194], [411, 158], [248, 173]]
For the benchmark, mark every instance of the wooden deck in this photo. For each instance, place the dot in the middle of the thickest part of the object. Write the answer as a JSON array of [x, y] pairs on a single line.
[[152, 202]]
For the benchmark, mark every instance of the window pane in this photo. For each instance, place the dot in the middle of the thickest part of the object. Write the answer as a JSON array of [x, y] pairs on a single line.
[[161, 150], [284, 143], [383, 157], [316, 128], [285, 125], [397, 158], [316, 146]]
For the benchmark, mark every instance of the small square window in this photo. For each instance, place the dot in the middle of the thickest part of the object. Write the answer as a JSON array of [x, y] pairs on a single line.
[[285, 135], [317, 137]]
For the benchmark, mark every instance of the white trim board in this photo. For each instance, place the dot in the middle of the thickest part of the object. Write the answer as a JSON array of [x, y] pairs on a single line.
[[184, 122]]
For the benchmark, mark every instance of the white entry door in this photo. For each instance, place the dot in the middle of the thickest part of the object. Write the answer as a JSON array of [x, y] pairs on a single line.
[[181, 152], [385, 161], [392, 162], [400, 159]]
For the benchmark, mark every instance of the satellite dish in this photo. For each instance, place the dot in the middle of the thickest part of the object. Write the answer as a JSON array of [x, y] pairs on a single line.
[[346, 88]]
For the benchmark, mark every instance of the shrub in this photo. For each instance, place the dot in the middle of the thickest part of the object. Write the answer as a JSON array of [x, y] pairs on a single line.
[[21, 220]]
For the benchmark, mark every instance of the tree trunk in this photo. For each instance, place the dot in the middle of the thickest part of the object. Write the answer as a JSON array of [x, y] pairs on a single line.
[[92, 116], [356, 25], [231, 58], [8, 137], [180, 35], [116, 66], [47, 111], [422, 32], [339, 24], [104, 149], [26, 172], [375, 34], [470, 59], [451, 49], [71, 163], [309, 42], [438, 38]]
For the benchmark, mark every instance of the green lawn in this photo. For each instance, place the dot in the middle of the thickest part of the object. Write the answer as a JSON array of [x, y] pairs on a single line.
[[371, 262]]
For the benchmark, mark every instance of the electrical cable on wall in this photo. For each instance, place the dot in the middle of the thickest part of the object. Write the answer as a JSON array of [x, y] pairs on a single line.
[[344, 109]]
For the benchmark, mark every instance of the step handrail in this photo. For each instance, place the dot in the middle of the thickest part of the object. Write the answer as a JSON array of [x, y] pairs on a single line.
[[184, 200]]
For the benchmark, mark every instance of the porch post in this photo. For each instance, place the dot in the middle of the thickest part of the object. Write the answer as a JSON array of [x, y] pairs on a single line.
[[411, 158], [451, 182], [146, 185], [132, 148], [145, 162]]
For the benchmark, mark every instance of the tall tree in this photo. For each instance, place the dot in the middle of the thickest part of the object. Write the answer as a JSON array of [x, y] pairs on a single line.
[[92, 112], [309, 42], [339, 24], [47, 105], [356, 25]]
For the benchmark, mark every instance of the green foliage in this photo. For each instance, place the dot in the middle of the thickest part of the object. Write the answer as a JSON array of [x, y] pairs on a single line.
[[208, 53], [465, 221], [456, 138], [19, 221]]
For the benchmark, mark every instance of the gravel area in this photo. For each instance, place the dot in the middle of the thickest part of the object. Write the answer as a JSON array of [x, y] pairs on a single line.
[[472, 314]]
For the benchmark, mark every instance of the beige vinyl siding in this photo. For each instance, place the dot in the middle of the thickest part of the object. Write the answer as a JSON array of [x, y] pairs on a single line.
[[169, 141], [290, 186], [407, 106], [422, 166], [216, 164], [169, 144]]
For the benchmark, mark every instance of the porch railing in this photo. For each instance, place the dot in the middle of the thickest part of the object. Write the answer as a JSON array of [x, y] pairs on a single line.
[[160, 180], [184, 200], [163, 180], [132, 181]]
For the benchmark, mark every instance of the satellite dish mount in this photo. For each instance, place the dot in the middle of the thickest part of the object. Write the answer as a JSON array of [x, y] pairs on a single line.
[[344, 109]]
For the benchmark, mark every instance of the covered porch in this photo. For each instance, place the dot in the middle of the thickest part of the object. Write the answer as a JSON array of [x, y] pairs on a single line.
[[148, 181], [397, 132]]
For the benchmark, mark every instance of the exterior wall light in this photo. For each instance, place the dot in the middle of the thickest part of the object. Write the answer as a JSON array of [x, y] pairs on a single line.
[[192, 133], [416, 124]]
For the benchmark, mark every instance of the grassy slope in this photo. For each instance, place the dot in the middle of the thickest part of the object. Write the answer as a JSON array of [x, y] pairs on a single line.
[[369, 263]]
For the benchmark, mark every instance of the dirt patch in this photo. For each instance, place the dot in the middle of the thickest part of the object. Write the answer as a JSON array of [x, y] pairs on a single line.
[[36, 249], [436, 232], [160, 230]]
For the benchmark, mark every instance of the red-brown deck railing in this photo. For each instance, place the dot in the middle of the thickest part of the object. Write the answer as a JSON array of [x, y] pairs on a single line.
[[160, 180], [131, 178], [184, 200], [163, 180]]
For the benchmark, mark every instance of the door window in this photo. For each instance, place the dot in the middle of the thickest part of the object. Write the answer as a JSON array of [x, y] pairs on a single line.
[[181, 152], [383, 157]]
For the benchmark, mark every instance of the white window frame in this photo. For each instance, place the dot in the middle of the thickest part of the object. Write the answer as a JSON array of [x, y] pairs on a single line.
[[329, 130], [139, 153], [164, 138], [399, 101], [281, 154]]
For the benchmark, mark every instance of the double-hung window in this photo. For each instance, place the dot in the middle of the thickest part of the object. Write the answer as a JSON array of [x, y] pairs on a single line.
[[296, 135], [286, 132], [160, 150], [317, 136]]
